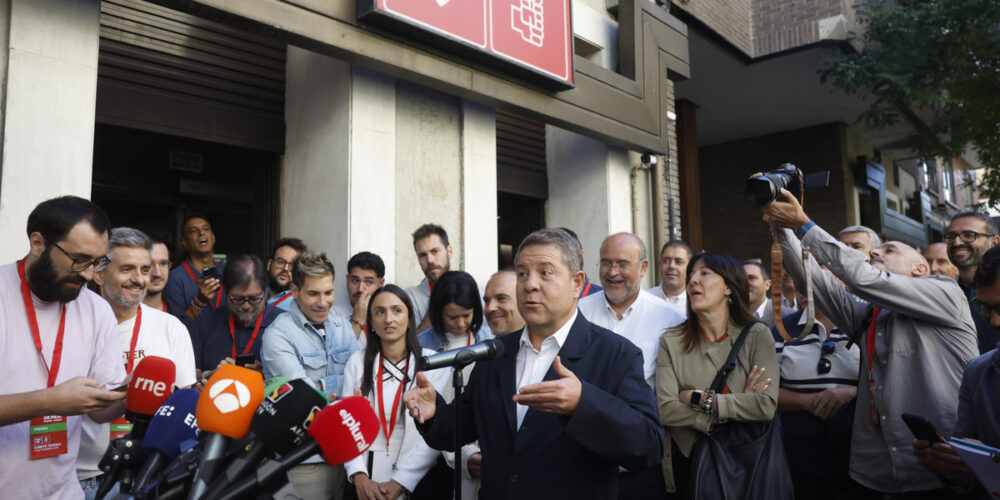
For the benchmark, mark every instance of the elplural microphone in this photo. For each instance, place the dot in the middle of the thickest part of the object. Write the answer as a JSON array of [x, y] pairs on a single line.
[[462, 357], [226, 407], [342, 431], [279, 425], [152, 383], [173, 423]]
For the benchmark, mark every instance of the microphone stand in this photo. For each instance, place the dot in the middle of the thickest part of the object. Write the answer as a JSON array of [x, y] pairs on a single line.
[[464, 358]]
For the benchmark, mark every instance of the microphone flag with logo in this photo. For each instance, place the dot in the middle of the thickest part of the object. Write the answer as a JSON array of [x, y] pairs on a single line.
[[229, 400], [173, 423], [345, 429], [152, 383], [285, 413]]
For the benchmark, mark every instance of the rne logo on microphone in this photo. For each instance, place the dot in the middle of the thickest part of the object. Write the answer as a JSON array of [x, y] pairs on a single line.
[[229, 395], [149, 385]]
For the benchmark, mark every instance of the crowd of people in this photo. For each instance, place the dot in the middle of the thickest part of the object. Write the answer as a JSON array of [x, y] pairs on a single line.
[[601, 390]]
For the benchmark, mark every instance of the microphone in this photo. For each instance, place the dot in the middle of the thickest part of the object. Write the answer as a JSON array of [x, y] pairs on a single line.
[[341, 431], [171, 425], [279, 425], [462, 357], [225, 409], [152, 383]]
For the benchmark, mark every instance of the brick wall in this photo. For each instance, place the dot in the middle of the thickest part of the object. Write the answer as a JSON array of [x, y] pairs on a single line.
[[729, 224], [729, 18], [671, 183]]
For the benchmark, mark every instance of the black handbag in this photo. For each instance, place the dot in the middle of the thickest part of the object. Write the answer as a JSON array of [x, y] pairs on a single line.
[[740, 460]]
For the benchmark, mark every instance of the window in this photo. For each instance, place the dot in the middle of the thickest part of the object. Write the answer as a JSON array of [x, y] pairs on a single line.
[[947, 178]]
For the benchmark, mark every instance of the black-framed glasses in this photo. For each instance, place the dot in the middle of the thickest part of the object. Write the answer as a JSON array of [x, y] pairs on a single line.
[[80, 265], [986, 308], [239, 301], [282, 263], [966, 236], [824, 366]]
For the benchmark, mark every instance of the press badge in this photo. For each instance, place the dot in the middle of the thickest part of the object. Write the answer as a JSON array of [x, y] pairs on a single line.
[[48, 436], [120, 428]]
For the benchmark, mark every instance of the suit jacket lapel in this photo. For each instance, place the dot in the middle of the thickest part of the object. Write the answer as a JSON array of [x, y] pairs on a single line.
[[572, 350], [508, 378]]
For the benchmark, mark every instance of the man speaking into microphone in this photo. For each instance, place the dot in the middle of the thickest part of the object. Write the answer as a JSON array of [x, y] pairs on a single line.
[[566, 403]]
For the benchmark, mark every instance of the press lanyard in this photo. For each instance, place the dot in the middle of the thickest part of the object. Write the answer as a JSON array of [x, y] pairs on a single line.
[[135, 339], [218, 293], [388, 428], [470, 339], [163, 305], [586, 290], [256, 330], [282, 299], [29, 307]]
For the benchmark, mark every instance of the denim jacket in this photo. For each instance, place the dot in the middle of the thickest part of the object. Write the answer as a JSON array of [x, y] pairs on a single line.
[[293, 348]]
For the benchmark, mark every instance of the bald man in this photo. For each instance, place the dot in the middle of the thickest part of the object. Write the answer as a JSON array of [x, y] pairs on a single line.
[[500, 304], [937, 258], [916, 335], [623, 307]]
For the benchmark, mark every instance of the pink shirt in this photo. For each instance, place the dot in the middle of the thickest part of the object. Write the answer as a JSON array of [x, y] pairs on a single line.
[[90, 349]]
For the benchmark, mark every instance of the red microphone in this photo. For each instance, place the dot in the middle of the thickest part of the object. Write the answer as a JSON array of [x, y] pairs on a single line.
[[341, 431], [152, 383]]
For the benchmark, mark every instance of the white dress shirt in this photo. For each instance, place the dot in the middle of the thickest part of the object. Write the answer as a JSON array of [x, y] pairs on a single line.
[[532, 364], [642, 323], [679, 301]]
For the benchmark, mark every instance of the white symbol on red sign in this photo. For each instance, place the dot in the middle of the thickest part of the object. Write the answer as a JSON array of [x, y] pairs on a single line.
[[441, 2], [527, 20]]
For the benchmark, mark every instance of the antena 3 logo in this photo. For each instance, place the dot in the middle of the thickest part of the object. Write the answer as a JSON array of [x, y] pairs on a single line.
[[229, 395]]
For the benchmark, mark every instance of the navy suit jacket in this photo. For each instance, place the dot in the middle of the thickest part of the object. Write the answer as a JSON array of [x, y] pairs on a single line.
[[552, 456]]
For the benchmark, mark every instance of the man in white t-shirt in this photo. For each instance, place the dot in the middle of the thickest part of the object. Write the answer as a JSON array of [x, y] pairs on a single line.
[[123, 281], [674, 258], [51, 372]]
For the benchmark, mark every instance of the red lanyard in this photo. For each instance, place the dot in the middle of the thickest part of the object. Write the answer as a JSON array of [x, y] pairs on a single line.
[[282, 299], [163, 304], [872, 401], [470, 338], [29, 307], [135, 338], [388, 428], [218, 293], [256, 330], [586, 290]]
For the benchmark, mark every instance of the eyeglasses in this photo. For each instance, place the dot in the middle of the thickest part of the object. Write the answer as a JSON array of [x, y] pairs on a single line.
[[282, 263], [986, 308], [239, 301], [622, 265], [80, 265], [824, 366], [967, 236]]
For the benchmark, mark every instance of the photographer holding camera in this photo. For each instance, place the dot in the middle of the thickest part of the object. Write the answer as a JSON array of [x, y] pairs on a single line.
[[915, 332]]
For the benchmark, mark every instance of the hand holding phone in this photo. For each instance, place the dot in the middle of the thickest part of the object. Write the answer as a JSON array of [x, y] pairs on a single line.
[[922, 428], [245, 359]]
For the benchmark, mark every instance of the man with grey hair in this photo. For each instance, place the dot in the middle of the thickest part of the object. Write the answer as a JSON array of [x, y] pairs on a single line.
[[142, 331], [623, 307], [969, 236], [564, 404], [860, 238], [311, 344]]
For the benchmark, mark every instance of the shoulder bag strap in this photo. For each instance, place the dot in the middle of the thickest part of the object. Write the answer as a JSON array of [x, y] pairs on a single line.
[[727, 368]]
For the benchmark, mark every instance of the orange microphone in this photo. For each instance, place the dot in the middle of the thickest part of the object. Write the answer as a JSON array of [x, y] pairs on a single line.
[[225, 409], [341, 431]]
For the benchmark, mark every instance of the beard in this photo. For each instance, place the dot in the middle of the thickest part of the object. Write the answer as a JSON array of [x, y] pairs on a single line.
[[276, 287], [45, 283], [118, 297], [974, 259], [247, 318]]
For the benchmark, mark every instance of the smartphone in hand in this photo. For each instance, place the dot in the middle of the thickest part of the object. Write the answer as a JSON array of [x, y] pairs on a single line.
[[922, 428]]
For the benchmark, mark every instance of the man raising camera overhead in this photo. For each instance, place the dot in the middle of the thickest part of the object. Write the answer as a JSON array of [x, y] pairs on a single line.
[[916, 336]]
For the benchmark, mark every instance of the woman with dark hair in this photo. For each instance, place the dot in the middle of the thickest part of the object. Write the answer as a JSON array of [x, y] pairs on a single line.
[[456, 314], [691, 354], [399, 457]]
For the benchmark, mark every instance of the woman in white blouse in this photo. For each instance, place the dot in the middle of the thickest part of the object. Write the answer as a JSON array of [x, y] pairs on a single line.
[[399, 457]]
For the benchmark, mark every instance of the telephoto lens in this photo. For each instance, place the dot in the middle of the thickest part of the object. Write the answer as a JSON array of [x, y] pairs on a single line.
[[765, 188]]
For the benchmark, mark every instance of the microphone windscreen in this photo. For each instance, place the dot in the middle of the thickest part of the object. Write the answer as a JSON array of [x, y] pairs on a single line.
[[283, 416], [272, 383], [229, 400], [151, 385], [345, 429], [173, 423]]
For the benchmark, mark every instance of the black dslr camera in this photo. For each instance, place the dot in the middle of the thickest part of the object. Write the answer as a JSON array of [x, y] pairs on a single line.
[[766, 188]]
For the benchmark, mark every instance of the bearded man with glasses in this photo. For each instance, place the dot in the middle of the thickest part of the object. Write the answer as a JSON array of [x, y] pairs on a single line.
[[969, 236], [279, 271], [230, 334]]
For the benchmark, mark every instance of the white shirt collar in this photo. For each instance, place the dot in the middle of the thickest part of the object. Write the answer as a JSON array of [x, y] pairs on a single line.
[[763, 307], [559, 337], [630, 309]]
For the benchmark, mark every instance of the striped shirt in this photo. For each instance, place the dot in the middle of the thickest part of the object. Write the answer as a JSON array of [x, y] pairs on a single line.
[[799, 360]]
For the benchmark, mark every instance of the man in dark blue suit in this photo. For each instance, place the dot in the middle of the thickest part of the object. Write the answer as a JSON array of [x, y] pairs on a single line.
[[567, 402]]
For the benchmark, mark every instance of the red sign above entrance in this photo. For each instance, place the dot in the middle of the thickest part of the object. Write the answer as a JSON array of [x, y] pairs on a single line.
[[530, 38]]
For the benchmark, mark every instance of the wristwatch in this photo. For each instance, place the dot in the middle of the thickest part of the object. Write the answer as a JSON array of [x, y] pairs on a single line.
[[696, 399]]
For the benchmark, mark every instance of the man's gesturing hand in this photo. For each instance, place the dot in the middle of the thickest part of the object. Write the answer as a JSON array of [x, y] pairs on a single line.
[[421, 400], [554, 396]]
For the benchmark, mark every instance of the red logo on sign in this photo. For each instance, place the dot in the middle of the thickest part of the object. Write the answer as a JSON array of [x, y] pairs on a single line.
[[464, 19], [533, 32]]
